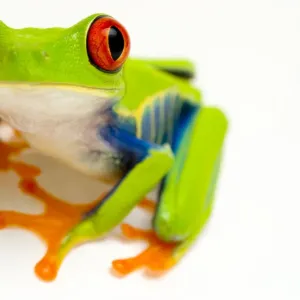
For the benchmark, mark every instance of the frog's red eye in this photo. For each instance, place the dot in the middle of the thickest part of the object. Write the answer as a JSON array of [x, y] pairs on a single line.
[[108, 44]]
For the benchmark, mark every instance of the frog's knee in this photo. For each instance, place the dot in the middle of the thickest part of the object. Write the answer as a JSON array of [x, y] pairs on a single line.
[[170, 227]]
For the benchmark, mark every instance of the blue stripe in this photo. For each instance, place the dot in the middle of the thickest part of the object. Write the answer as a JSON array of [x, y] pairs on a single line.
[[146, 124]]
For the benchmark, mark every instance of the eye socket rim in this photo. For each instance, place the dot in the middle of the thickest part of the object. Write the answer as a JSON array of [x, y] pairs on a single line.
[[126, 49]]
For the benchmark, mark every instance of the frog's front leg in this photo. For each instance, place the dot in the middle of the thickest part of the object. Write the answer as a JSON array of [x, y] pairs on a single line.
[[151, 164], [63, 225], [186, 196]]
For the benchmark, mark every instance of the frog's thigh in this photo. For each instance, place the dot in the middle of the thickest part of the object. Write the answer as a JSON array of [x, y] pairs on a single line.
[[187, 193]]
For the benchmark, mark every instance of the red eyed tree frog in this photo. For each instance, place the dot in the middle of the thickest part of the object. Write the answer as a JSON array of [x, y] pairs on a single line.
[[75, 94]]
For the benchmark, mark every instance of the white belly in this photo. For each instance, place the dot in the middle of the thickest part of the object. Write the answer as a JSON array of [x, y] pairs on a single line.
[[61, 123], [72, 155]]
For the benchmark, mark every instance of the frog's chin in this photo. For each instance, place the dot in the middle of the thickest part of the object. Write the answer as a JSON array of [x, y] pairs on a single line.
[[63, 122], [45, 109]]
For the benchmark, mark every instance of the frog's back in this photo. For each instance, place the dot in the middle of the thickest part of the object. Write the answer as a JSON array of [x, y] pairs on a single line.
[[144, 78]]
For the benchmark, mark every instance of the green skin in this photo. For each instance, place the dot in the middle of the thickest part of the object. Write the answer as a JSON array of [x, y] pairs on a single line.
[[50, 92]]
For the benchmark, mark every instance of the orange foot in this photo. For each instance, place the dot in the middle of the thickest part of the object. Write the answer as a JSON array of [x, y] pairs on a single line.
[[157, 257], [52, 226]]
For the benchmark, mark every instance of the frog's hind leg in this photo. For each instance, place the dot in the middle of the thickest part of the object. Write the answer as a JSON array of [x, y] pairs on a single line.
[[186, 196]]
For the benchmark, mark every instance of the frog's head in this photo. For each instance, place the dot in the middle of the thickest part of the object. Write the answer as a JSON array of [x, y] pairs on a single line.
[[55, 79], [87, 57], [89, 54]]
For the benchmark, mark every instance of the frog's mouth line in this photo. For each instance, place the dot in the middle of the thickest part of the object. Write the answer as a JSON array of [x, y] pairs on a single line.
[[65, 86]]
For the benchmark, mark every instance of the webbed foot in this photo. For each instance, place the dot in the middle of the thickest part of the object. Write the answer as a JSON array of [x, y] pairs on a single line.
[[51, 226], [156, 257]]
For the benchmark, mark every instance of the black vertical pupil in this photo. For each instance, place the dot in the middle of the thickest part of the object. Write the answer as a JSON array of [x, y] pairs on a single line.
[[116, 42]]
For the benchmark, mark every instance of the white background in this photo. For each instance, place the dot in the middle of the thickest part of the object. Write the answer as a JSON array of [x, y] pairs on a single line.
[[248, 61]]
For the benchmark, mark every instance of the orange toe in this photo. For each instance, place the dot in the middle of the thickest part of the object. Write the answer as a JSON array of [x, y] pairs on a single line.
[[27, 186], [46, 269], [156, 257]]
